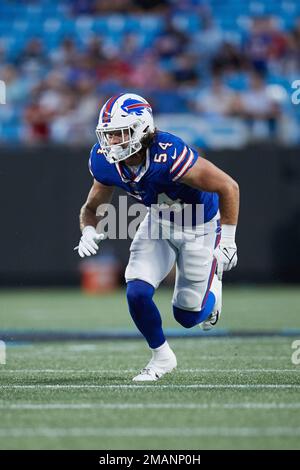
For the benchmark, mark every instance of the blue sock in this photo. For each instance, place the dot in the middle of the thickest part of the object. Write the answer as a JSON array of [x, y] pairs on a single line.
[[144, 312], [188, 319]]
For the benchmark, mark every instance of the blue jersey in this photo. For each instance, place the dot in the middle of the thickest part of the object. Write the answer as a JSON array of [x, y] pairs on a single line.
[[168, 159]]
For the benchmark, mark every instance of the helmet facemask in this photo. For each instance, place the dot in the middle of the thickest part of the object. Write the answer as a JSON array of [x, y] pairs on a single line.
[[130, 141]]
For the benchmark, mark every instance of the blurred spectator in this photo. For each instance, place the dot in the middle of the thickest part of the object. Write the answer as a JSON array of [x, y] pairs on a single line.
[[278, 44], [171, 42], [295, 33], [264, 43], [114, 68], [52, 91], [33, 53], [216, 100], [83, 68], [228, 59], [258, 107], [146, 74], [291, 60], [95, 51], [66, 54], [75, 121], [132, 50], [208, 39], [17, 87], [37, 123], [185, 70]]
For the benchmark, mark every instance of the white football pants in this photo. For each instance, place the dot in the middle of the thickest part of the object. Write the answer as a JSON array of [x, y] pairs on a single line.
[[192, 250]]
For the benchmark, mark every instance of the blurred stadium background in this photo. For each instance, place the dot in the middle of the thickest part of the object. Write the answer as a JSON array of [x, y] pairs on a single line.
[[219, 74]]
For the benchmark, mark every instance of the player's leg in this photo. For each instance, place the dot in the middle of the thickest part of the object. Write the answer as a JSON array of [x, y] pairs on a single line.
[[197, 294], [215, 287], [150, 261], [212, 319]]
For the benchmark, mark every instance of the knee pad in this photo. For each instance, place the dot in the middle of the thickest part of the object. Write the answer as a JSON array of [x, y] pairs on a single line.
[[187, 299]]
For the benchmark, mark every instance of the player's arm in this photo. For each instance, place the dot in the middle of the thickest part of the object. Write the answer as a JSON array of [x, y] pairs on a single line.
[[99, 195], [205, 176]]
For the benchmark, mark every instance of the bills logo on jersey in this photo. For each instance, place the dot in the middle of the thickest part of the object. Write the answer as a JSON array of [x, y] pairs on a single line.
[[132, 106]]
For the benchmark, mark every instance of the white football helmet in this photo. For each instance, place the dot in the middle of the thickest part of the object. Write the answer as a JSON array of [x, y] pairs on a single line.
[[129, 114]]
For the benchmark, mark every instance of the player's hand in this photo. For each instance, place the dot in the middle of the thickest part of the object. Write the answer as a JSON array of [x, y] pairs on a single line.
[[89, 242], [226, 251]]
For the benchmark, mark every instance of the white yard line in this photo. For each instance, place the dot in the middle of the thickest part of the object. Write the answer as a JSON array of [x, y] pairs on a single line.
[[155, 406], [67, 356], [158, 387], [238, 432], [125, 371]]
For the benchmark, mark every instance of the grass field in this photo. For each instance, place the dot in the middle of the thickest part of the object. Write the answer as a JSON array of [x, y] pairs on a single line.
[[227, 393]]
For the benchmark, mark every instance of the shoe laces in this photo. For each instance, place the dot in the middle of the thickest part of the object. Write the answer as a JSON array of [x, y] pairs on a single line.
[[149, 371]]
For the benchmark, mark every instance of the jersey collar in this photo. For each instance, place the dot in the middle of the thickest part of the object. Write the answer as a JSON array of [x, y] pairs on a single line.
[[137, 177]]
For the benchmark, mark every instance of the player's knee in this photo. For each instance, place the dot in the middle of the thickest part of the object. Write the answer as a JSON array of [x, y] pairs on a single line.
[[185, 318], [139, 293], [187, 299], [188, 307]]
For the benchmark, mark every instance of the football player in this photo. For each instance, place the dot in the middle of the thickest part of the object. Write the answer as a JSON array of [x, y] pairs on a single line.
[[158, 167]]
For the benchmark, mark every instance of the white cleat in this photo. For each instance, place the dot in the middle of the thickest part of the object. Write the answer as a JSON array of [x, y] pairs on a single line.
[[211, 321], [155, 369]]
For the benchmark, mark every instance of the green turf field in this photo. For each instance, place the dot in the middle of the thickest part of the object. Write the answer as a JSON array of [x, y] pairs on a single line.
[[227, 393], [245, 307]]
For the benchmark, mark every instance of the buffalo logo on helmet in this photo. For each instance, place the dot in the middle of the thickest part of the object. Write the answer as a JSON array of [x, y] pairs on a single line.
[[132, 106]]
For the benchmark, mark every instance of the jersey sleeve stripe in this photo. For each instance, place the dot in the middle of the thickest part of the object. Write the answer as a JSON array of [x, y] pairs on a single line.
[[179, 160], [185, 167], [90, 167]]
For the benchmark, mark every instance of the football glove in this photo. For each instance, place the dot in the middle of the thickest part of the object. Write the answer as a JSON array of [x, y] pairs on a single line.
[[89, 242], [226, 251]]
